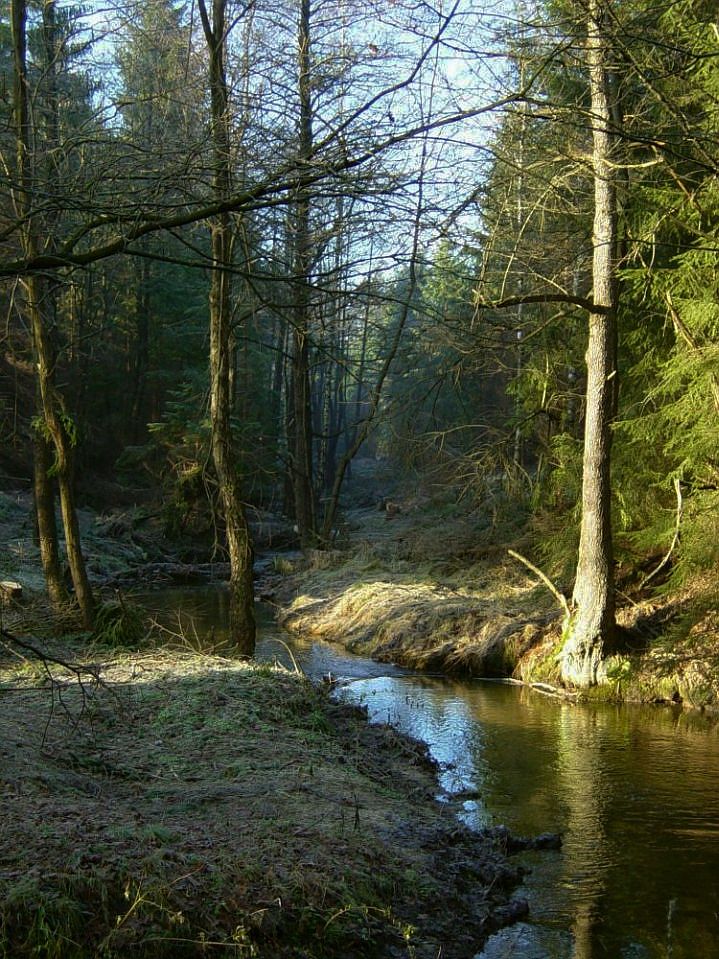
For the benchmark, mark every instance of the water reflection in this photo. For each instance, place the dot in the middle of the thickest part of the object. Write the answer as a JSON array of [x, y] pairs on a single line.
[[197, 617], [634, 791]]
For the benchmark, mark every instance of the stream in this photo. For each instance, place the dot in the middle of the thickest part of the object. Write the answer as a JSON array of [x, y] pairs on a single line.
[[634, 791]]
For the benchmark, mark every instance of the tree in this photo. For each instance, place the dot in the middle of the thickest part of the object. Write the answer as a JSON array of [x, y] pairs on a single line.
[[239, 546], [144, 183], [590, 631], [300, 436], [38, 301], [667, 465]]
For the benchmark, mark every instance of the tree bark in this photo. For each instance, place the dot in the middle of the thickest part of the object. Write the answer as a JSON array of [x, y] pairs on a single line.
[[301, 459], [239, 546], [591, 627], [55, 417], [45, 516], [141, 348]]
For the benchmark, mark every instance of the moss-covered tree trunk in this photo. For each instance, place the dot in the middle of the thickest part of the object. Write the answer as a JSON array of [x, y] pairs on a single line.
[[45, 517], [239, 547], [591, 628]]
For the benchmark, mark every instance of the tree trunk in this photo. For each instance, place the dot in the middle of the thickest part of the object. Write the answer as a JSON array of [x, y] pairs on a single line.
[[57, 421], [301, 451], [591, 628], [301, 460], [141, 349], [45, 516], [239, 547], [60, 428]]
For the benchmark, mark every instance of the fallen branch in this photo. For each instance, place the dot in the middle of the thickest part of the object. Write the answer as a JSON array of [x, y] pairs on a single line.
[[560, 597], [555, 692], [675, 538], [82, 675], [45, 657]]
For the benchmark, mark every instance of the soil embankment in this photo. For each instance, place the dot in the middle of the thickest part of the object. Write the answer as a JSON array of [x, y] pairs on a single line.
[[416, 588]]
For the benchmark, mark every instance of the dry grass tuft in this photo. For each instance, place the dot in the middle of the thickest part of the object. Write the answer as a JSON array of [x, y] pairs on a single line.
[[391, 601]]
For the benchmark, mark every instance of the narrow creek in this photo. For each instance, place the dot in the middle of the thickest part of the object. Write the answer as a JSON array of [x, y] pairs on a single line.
[[634, 791]]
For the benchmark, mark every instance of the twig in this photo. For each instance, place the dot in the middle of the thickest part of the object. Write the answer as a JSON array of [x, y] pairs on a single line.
[[46, 658], [675, 538], [560, 597], [298, 669], [686, 334], [80, 672]]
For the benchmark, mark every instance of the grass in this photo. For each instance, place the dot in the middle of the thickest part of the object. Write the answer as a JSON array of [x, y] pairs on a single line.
[[182, 804], [431, 591], [410, 595]]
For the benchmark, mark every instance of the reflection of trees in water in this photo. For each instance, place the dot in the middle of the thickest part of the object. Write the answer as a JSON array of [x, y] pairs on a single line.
[[633, 790], [585, 786], [618, 782], [518, 756]]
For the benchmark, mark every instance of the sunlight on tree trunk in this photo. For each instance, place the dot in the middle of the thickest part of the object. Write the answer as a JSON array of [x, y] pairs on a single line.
[[591, 628]]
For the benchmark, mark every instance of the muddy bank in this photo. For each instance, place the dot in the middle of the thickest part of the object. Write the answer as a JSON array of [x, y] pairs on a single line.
[[166, 805]]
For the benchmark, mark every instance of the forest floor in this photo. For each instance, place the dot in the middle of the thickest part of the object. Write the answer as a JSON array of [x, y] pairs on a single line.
[[162, 802], [165, 804]]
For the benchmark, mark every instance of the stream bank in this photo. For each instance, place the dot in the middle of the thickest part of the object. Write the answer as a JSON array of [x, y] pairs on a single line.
[[166, 802], [424, 589], [174, 804], [427, 584], [141, 801]]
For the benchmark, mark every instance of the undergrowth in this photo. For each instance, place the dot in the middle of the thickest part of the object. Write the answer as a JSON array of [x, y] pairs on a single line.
[[120, 623]]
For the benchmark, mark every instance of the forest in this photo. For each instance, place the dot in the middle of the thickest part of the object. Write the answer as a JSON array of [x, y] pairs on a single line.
[[400, 316]]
